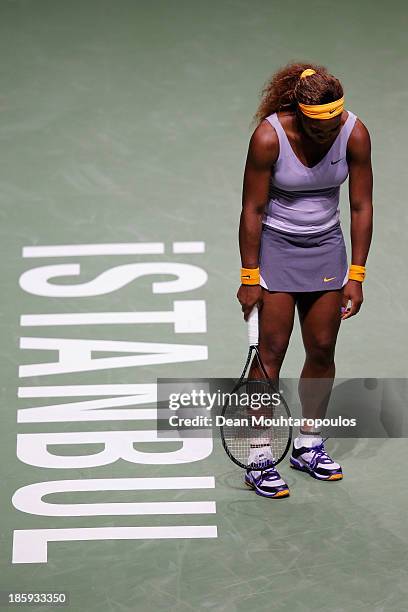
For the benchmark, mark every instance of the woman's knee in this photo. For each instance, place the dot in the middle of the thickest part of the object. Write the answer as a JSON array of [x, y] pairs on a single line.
[[273, 350], [321, 350]]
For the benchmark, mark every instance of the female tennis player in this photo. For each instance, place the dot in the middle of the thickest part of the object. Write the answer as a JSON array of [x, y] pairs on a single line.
[[292, 247]]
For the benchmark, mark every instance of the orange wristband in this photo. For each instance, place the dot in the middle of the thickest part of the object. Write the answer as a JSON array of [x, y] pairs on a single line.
[[250, 276], [357, 273]]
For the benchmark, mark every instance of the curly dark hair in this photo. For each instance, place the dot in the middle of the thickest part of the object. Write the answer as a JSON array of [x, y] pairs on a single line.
[[285, 89]]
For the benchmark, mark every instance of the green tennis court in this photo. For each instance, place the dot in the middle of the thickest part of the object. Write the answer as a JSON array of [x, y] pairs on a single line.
[[124, 129]]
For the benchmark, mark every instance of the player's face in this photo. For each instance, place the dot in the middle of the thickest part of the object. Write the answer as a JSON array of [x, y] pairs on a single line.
[[321, 131]]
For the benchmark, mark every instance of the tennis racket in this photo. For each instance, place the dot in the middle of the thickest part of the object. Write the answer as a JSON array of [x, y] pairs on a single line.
[[251, 422]]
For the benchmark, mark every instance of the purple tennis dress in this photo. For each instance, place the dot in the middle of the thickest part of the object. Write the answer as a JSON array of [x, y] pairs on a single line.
[[302, 245]]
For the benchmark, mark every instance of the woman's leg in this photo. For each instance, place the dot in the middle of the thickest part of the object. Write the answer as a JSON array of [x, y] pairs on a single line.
[[319, 315], [275, 327]]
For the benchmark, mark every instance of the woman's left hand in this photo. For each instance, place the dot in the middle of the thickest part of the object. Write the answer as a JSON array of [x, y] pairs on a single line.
[[352, 292]]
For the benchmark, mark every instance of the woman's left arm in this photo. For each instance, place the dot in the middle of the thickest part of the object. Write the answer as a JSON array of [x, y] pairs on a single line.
[[361, 209]]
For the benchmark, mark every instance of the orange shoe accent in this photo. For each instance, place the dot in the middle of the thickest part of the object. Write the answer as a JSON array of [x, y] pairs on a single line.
[[284, 493], [335, 477]]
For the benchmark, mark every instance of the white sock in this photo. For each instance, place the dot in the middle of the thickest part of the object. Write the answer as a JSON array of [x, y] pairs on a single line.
[[308, 440], [257, 453]]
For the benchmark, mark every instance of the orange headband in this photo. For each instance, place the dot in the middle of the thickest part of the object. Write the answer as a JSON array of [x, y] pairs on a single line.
[[321, 111]]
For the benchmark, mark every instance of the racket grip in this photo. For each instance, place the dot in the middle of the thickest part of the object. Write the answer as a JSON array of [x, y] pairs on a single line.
[[253, 330]]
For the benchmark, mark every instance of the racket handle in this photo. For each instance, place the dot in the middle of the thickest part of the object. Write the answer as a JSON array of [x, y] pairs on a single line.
[[253, 330]]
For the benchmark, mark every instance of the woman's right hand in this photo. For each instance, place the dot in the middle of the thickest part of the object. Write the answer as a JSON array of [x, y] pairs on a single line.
[[248, 296]]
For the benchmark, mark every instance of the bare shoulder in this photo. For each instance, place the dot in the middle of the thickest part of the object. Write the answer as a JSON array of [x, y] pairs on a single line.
[[264, 144], [359, 142]]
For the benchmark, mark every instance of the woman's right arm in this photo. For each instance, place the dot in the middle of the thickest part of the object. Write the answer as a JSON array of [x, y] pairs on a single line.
[[263, 152]]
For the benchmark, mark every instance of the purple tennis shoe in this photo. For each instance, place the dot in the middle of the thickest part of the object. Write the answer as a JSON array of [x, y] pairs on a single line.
[[267, 483], [316, 462]]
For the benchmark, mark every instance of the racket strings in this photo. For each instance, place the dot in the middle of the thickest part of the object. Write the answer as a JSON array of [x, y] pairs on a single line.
[[257, 423]]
